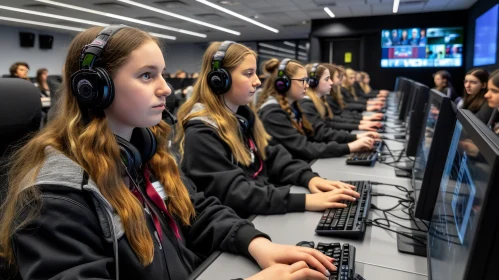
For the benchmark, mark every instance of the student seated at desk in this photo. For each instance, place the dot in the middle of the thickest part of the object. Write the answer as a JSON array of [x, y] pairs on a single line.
[[366, 89], [339, 107], [316, 109], [475, 87], [284, 121], [443, 83], [492, 97], [97, 194], [225, 147], [349, 94]]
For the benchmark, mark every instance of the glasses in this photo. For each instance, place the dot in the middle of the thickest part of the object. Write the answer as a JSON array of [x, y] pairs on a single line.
[[303, 80]]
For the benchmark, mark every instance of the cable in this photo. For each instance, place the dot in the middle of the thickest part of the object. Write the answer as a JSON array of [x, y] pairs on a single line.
[[398, 232]]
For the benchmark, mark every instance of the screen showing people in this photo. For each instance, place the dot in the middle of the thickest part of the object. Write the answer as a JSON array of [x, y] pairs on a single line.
[[419, 47], [457, 211]]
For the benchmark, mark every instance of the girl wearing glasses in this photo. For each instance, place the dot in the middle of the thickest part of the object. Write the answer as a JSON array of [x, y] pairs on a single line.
[[284, 121], [225, 147], [475, 87], [318, 111]]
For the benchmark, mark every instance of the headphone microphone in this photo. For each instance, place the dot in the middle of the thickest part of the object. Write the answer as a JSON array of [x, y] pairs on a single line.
[[170, 116]]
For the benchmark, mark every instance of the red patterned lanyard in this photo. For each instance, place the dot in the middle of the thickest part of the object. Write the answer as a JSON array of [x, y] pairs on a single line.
[[254, 150]]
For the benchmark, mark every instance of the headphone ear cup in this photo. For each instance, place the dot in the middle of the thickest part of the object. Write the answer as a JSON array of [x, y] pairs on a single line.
[[282, 84], [313, 83], [219, 81], [129, 154], [106, 89], [145, 142]]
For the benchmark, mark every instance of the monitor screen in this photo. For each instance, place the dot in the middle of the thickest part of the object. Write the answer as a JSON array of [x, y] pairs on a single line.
[[422, 47], [456, 214], [486, 37], [424, 145]]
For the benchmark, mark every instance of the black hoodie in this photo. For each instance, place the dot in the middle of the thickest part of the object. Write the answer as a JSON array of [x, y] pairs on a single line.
[[362, 94], [209, 162], [313, 116], [349, 98], [337, 111], [78, 234], [324, 143]]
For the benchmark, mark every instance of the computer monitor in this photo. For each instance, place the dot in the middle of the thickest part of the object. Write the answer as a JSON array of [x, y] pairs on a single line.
[[415, 121], [463, 238], [406, 91], [439, 121]]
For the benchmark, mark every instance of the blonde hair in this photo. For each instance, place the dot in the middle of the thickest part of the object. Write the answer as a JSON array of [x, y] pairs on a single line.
[[93, 146], [215, 109], [365, 87], [319, 102], [346, 84], [292, 67], [336, 90]]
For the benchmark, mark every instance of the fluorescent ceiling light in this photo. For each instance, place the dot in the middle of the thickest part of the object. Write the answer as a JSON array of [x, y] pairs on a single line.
[[275, 53], [396, 6], [123, 18], [238, 15], [38, 23], [328, 11], [180, 17], [276, 48], [95, 23], [287, 43]]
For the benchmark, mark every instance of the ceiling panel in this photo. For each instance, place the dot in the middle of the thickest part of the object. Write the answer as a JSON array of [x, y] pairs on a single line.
[[285, 15]]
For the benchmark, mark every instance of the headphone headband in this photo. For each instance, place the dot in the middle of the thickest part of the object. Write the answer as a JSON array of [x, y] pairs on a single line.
[[218, 57], [314, 69], [93, 51], [282, 67], [313, 82]]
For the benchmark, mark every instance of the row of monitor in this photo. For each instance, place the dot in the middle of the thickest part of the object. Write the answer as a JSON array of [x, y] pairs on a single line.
[[455, 183]]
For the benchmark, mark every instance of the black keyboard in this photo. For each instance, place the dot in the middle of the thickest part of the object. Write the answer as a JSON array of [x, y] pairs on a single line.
[[368, 158], [349, 221], [344, 258]]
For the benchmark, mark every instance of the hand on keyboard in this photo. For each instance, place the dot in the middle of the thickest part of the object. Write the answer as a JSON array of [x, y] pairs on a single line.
[[369, 134], [317, 184], [296, 271], [361, 144], [332, 199]]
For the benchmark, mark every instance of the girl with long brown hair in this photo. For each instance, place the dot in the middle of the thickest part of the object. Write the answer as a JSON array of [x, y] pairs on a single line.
[[351, 95], [318, 111], [492, 97], [225, 147], [283, 119], [475, 87], [97, 194]]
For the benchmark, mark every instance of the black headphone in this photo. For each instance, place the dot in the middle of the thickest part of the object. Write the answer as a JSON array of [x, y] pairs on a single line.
[[282, 83], [312, 79], [93, 86], [140, 149], [219, 79]]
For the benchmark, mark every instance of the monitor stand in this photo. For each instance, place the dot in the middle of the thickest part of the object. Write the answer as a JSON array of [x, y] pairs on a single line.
[[409, 246], [404, 170]]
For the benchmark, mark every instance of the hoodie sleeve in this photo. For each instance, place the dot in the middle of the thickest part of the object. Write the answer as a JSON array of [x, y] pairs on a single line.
[[322, 131], [348, 97], [63, 242], [278, 124], [208, 163], [217, 226]]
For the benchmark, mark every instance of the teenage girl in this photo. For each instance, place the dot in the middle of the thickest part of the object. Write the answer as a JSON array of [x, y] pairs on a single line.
[[350, 94], [475, 87], [225, 147], [318, 111], [492, 97], [284, 121], [97, 195]]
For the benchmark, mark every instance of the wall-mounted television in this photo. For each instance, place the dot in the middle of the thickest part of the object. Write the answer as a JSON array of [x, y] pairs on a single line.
[[486, 37], [422, 47]]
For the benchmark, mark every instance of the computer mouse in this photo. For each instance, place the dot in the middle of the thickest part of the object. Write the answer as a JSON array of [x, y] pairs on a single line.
[[308, 244]]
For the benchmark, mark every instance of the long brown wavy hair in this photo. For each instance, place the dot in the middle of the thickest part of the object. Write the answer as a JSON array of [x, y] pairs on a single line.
[[336, 90], [365, 87], [475, 101], [215, 109], [269, 90], [93, 146], [319, 102]]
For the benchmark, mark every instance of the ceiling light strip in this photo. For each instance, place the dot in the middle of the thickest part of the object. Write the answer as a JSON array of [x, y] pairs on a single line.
[[276, 48], [238, 15], [143, 6], [39, 23], [329, 12], [123, 18]]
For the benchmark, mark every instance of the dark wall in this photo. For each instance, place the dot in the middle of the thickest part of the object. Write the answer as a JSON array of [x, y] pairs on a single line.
[[369, 30], [475, 11]]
